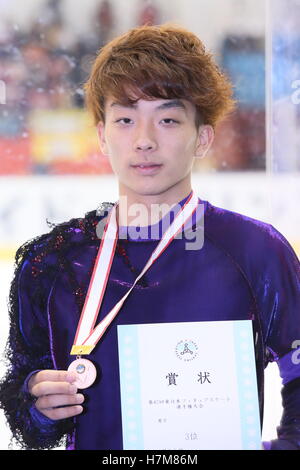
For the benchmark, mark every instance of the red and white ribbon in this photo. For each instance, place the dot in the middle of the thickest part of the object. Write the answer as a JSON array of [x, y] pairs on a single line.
[[87, 335]]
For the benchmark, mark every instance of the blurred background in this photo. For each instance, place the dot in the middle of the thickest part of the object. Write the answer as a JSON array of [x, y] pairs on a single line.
[[51, 168]]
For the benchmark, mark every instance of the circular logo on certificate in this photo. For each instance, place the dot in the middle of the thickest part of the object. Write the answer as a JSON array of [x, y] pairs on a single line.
[[186, 350]]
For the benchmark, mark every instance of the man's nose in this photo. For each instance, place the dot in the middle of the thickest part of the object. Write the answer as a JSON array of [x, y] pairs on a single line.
[[145, 138]]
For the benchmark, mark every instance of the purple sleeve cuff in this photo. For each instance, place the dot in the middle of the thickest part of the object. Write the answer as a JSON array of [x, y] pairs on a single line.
[[40, 419], [289, 366]]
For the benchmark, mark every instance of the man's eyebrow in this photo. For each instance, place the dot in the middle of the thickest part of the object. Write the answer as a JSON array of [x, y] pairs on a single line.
[[123, 105], [172, 104], [168, 104]]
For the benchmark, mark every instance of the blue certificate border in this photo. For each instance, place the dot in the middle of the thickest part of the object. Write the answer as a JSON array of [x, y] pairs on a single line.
[[247, 385], [132, 427]]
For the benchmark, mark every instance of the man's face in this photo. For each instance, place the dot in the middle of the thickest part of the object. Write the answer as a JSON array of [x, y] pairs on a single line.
[[152, 144]]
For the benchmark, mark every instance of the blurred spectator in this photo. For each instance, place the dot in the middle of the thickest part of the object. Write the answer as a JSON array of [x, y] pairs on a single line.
[[104, 22], [149, 13], [240, 144]]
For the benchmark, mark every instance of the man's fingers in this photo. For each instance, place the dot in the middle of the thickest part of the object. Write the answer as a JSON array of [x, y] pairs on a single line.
[[48, 388], [49, 375], [56, 394], [50, 401], [63, 413]]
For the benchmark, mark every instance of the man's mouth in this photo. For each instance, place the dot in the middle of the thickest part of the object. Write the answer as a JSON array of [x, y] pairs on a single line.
[[147, 168], [144, 165]]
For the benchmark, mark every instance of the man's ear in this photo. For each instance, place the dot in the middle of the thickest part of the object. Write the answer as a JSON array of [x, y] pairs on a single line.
[[204, 141], [101, 135]]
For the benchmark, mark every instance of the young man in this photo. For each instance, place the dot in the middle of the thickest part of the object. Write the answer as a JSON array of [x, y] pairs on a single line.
[[156, 96]]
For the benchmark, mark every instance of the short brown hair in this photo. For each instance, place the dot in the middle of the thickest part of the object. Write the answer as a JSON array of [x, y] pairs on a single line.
[[159, 62]]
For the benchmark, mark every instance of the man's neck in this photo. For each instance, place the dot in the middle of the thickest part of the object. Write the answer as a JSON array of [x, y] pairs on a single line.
[[145, 210]]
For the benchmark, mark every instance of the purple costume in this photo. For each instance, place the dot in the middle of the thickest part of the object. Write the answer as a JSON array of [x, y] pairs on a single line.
[[245, 270]]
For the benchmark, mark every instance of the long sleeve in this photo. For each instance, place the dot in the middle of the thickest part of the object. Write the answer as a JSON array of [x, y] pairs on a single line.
[[272, 270], [280, 290], [28, 350]]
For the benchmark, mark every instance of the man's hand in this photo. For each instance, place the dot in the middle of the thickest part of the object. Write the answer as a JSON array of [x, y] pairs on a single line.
[[56, 395]]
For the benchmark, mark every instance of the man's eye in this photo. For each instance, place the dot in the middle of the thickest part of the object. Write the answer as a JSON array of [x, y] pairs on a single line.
[[170, 121], [124, 120]]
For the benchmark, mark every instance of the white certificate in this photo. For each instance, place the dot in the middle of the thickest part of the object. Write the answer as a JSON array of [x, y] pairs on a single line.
[[189, 386]]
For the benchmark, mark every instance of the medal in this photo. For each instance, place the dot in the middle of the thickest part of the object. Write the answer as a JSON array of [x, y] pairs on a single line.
[[87, 335], [85, 371]]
